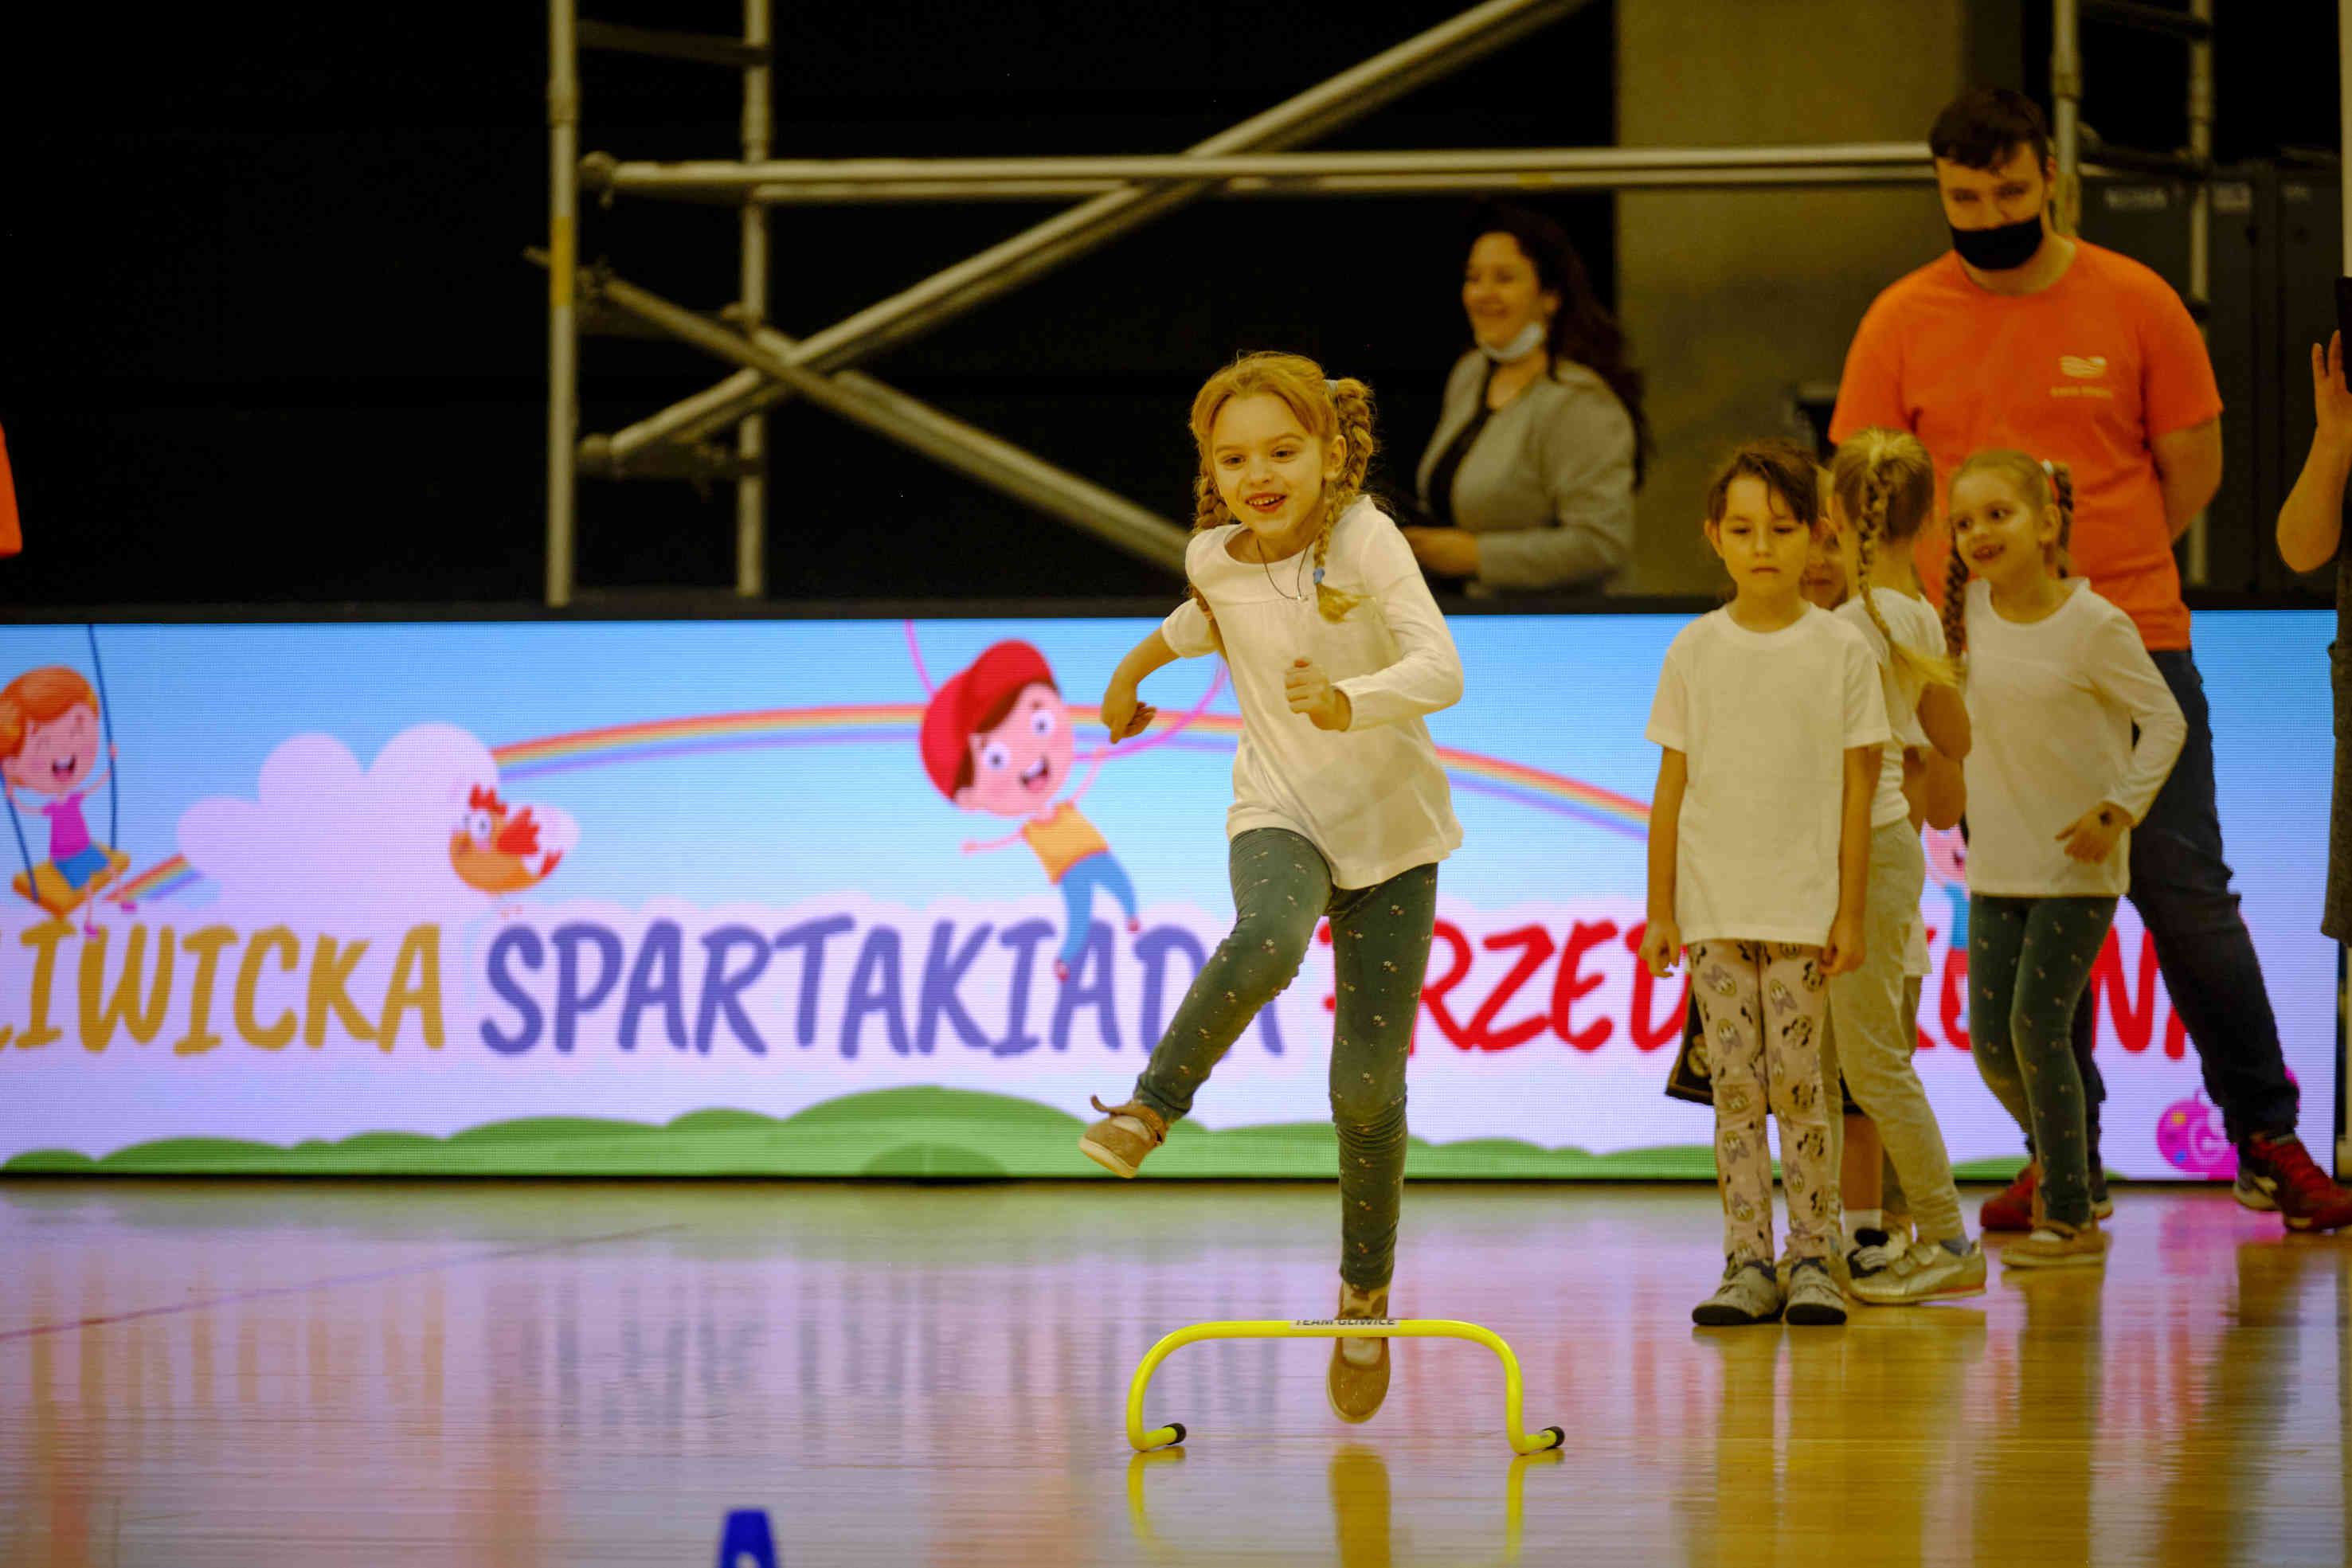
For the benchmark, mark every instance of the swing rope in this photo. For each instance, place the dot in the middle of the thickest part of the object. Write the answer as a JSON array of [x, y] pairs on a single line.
[[106, 721], [23, 852]]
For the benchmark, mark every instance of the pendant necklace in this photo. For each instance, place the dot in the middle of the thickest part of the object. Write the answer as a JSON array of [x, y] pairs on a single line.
[[1298, 578]]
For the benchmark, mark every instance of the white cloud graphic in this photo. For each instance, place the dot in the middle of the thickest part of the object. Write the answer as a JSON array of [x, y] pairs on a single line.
[[325, 838]]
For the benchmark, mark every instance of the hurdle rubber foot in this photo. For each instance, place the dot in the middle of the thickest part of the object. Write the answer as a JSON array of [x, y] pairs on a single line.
[[1559, 1438], [1176, 1428]]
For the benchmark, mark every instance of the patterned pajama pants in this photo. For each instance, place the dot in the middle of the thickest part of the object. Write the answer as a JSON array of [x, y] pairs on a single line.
[[1762, 1005]]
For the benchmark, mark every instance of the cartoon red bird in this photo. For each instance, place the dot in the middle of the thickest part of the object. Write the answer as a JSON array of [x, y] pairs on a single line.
[[497, 849]]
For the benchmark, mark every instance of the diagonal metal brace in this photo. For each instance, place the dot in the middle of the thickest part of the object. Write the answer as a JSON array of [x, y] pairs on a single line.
[[944, 296], [909, 421]]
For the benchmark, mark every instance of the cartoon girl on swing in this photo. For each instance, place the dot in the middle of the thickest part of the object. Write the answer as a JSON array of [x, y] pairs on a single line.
[[52, 744], [996, 739]]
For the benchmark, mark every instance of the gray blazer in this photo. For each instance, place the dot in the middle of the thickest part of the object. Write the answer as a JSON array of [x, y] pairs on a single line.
[[1549, 484]]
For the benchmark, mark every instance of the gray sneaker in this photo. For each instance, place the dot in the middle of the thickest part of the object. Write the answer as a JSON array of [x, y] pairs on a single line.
[[1930, 1272], [1813, 1295], [1748, 1294]]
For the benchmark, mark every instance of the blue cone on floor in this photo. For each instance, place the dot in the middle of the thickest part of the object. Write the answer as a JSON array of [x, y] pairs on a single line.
[[747, 1538]]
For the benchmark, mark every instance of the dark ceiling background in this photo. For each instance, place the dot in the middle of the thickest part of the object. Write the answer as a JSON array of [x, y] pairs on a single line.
[[269, 335]]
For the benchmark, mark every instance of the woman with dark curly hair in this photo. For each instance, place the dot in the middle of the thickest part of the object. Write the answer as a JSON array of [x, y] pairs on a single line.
[[1537, 452]]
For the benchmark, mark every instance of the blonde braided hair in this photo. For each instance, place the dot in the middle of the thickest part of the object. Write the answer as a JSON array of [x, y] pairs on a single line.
[[1956, 606], [1884, 481], [1324, 409]]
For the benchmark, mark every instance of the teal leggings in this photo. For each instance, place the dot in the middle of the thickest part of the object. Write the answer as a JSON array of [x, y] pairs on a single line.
[[2028, 959], [1380, 940]]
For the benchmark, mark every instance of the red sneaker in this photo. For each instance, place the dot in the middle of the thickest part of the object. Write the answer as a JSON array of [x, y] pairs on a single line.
[[2011, 1208], [2276, 1172]]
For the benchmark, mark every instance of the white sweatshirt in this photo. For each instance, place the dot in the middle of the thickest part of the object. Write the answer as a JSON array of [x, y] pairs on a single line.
[[2052, 703], [1373, 797]]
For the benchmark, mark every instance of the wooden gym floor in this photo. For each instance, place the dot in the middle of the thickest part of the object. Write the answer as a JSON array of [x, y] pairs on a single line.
[[257, 1373]]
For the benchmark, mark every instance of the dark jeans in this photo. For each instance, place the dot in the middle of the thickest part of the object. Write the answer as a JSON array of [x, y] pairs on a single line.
[[2181, 885]]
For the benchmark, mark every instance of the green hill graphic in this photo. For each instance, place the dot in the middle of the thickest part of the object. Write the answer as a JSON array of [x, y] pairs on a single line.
[[921, 1132]]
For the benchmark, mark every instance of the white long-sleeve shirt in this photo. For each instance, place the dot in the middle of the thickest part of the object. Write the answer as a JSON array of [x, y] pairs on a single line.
[[2052, 703], [1373, 797]]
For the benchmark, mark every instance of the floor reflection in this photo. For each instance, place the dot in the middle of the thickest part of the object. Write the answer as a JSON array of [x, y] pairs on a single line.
[[250, 1375]]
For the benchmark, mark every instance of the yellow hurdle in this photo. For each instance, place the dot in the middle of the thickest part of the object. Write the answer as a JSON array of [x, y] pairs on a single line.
[[1143, 1441]]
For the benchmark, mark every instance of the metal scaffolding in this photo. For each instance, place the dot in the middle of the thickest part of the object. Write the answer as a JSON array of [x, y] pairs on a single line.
[[1115, 196]]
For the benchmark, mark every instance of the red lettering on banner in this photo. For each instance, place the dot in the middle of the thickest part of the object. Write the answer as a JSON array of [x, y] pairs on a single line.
[[1956, 974], [1571, 985], [2133, 1024], [1926, 1040], [1471, 1023], [1649, 1034], [1434, 992], [1535, 945]]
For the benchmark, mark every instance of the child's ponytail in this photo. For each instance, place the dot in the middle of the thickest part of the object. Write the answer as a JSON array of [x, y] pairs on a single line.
[[1208, 512], [1885, 480], [2062, 487], [1956, 608], [1351, 417]]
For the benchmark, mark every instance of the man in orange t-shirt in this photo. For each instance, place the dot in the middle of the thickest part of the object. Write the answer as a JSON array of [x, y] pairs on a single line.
[[2024, 339]]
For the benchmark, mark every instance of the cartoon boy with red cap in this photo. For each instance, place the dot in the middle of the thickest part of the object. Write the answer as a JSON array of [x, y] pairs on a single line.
[[996, 739]]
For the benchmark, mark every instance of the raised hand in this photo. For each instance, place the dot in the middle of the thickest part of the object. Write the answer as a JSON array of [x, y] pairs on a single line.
[[2329, 391]]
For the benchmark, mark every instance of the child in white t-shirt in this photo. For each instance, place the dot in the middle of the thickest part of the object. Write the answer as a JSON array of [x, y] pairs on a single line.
[[1882, 490], [2057, 681], [1760, 836]]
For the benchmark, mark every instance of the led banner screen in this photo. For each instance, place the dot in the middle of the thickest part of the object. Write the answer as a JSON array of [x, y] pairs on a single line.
[[704, 899]]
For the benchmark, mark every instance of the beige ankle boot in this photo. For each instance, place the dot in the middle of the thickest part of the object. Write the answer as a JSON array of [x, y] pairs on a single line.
[[1356, 1386], [1125, 1134]]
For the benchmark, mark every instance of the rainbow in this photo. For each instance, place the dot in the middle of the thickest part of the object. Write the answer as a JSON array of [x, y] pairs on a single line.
[[620, 745]]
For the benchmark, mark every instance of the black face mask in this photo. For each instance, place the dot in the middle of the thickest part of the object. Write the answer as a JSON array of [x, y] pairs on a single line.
[[2000, 249]]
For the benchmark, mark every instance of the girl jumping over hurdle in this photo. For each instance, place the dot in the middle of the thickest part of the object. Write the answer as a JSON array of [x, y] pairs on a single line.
[[2057, 681], [1768, 720], [1340, 806]]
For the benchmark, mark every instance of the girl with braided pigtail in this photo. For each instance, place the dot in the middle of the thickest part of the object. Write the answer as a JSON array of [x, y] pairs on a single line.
[[2058, 681], [1340, 806], [1881, 487]]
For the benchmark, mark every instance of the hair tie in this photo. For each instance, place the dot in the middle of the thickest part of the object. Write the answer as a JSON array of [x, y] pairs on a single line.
[[2049, 469], [1331, 386]]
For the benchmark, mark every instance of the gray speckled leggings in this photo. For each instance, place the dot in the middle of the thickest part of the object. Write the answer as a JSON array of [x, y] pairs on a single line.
[[1379, 939], [2028, 959]]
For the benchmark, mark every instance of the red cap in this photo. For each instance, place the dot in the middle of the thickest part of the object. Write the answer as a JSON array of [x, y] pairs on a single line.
[[964, 698]]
